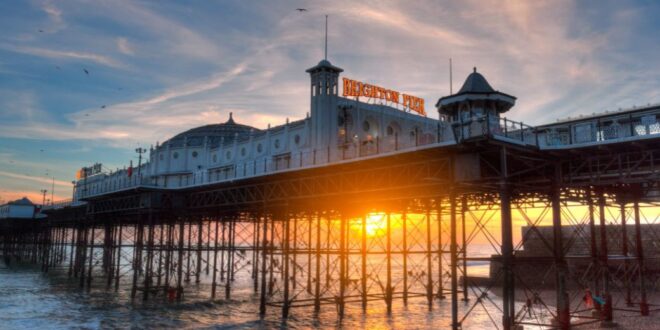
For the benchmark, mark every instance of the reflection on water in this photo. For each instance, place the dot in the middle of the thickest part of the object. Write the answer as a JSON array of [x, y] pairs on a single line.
[[30, 299]]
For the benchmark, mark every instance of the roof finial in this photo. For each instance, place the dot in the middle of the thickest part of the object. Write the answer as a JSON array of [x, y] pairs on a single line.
[[231, 118], [326, 38], [475, 69]]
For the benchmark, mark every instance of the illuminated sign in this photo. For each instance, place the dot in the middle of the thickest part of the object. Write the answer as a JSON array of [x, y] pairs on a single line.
[[88, 171], [357, 88]]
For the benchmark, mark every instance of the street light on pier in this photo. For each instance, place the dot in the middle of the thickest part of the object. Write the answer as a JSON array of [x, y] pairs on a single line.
[[43, 193], [140, 151]]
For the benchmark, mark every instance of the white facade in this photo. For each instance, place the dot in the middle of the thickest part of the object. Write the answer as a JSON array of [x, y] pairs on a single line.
[[20, 209], [338, 129]]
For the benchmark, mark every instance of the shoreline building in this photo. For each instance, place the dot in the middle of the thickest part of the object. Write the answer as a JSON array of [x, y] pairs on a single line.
[[19, 209]]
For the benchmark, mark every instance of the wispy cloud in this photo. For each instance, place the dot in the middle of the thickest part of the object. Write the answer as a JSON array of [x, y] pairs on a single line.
[[35, 179], [66, 54], [55, 15], [124, 46]]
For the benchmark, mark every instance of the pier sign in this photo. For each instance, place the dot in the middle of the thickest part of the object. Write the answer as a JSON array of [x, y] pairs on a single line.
[[89, 171], [357, 88]]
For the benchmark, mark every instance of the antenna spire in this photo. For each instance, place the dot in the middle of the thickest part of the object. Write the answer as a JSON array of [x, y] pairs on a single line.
[[326, 38], [451, 85]]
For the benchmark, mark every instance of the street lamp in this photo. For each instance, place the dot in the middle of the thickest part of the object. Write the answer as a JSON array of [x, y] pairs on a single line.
[[43, 192], [140, 151], [73, 194]]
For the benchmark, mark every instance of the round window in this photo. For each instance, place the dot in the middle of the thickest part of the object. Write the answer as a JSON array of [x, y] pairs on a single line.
[[259, 148], [215, 158], [296, 139], [228, 155], [277, 143], [243, 152], [366, 126], [175, 155], [194, 154]]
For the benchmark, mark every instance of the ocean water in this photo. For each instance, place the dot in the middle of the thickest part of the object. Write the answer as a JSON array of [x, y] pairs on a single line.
[[30, 299]]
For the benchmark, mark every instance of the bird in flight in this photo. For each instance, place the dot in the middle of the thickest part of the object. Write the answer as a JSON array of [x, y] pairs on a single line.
[[57, 67], [301, 9], [103, 106], [86, 72], [86, 115], [41, 31]]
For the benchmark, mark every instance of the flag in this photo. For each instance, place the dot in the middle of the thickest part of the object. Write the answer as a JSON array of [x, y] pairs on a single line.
[[130, 169], [588, 298]]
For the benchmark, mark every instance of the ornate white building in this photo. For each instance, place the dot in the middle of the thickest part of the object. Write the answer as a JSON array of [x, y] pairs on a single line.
[[342, 129], [338, 129]]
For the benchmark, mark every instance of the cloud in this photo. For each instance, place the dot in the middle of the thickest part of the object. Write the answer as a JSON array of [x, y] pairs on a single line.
[[64, 54], [43, 180], [124, 47], [54, 13]]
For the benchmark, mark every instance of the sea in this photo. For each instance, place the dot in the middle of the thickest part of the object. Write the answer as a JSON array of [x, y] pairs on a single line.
[[31, 299]]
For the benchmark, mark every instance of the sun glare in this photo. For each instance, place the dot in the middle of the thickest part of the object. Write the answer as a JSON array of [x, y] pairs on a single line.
[[376, 224]]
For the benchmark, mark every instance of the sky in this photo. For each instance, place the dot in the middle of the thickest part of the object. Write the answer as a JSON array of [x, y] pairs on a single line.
[[89, 81]]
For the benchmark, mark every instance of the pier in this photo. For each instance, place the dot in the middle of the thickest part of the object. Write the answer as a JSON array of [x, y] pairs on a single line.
[[384, 220]]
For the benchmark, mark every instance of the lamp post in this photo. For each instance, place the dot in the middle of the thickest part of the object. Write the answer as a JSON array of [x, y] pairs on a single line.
[[73, 193], [140, 151], [43, 193]]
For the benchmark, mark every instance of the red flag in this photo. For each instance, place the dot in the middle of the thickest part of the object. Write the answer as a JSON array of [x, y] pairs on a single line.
[[588, 299], [130, 169]]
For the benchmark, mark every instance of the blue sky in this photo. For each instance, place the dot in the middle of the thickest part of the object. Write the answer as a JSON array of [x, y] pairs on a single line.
[[157, 68]]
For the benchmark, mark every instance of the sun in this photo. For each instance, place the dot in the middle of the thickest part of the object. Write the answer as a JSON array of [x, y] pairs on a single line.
[[376, 225]]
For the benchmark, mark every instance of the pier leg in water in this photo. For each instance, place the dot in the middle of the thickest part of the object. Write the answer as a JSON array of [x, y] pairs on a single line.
[[388, 285], [286, 261], [215, 260], [454, 262], [264, 272], [429, 258], [441, 294], [363, 273], [464, 248], [595, 286], [607, 316], [563, 310], [404, 220], [643, 303]]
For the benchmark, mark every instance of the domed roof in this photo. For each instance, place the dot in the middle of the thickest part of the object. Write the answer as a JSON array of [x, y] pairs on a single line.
[[226, 132], [324, 64], [476, 83]]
